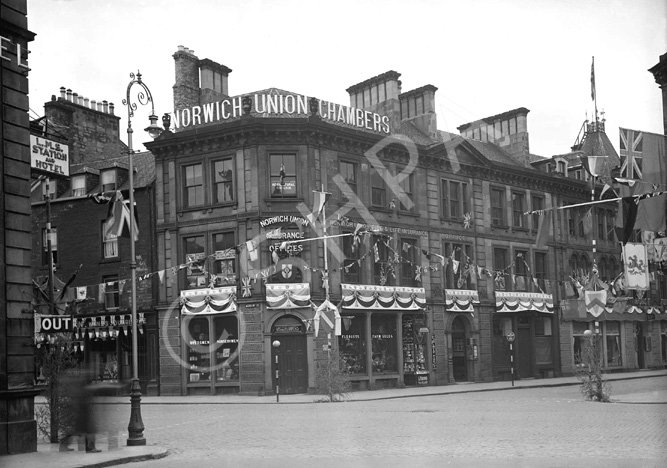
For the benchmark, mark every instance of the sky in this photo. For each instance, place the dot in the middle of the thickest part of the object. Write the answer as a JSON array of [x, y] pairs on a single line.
[[484, 56]]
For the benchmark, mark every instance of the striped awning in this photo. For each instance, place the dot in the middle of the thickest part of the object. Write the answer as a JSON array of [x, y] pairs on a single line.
[[524, 301], [382, 297], [287, 295], [208, 301], [461, 300]]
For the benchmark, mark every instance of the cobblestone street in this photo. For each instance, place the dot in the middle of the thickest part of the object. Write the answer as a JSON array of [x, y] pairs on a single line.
[[551, 427]]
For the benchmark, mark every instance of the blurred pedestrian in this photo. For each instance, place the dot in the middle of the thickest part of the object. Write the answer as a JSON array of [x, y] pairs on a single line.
[[81, 398]]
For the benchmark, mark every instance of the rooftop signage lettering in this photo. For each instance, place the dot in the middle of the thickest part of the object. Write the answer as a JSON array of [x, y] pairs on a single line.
[[275, 105], [49, 157]]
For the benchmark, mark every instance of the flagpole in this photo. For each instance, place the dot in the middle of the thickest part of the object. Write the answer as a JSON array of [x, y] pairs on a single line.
[[595, 94], [326, 250]]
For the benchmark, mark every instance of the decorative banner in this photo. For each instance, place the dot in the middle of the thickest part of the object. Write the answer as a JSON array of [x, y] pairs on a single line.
[[320, 312], [635, 265], [287, 296], [208, 301], [521, 301], [595, 302], [461, 300], [382, 297]]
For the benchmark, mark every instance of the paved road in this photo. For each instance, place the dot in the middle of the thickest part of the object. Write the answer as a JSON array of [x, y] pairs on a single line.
[[536, 427]]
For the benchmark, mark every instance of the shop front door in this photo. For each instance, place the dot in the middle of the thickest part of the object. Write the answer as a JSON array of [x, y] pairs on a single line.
[[291, 363], [524, 353], [459, 360]]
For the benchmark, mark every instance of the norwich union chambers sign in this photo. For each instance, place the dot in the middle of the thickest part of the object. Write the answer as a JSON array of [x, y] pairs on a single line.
[[275, 105]]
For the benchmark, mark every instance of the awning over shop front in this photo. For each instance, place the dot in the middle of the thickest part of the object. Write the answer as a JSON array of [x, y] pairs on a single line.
[[208, 301], [524, 301], [287, 295], [382, 297], [461, 300], [616, 309]]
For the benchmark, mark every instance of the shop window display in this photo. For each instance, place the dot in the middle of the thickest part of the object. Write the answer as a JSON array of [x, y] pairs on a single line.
[[414, 350], [383, 334], [226, 348], [352, 343], [199, 350]]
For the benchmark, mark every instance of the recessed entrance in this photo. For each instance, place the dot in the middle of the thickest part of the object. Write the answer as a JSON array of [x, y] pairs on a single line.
[[292, 356], [459, 358]]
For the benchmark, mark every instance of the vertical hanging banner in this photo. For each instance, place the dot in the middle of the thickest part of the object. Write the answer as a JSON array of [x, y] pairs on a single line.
[[635, 266]]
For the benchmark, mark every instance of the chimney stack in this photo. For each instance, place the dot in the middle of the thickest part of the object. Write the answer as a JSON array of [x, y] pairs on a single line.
[[418, 107], [508, 130], [379, 94]]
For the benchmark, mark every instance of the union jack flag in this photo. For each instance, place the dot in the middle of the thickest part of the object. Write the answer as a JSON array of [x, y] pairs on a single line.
[[631, 143]]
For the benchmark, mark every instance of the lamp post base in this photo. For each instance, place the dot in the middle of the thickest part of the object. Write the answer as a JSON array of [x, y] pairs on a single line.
[[136, 426]]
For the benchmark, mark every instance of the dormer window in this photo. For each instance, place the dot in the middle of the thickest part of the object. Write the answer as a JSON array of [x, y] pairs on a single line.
[[78, 185], [561, 167], [108, 180]]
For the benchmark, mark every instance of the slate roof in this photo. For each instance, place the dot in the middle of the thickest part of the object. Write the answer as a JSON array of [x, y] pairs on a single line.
[[598, 144], [143, 162]]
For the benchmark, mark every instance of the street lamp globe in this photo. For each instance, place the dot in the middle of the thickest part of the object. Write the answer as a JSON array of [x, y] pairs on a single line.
[[153, 129], [588, 333], [276, 344]]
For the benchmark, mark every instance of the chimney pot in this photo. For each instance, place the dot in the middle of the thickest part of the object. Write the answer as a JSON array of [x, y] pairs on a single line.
[[53, 97], [69, 94], [75, 98], [105, 107], [100, 108], [93, 105], [111, 108], [86, 102], [63, 95], [180, 47]]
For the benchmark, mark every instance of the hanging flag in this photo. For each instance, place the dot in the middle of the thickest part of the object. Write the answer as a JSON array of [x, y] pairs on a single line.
[[118, 219], [320, 200], [625, 219], [595, 302], [593, 80], [543, 231], [644, 158], [455, 265], [66, 285], [376, 253], [81, 293], [251, 247], [635, 264]]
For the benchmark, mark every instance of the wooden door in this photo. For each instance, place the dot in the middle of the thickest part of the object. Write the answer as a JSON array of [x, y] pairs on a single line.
[[291, 363]]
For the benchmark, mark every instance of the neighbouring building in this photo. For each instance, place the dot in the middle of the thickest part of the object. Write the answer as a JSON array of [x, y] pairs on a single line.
[[18, 429], [86, 252]]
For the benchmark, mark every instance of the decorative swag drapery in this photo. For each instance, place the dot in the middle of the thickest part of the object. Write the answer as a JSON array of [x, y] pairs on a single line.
[[208, 301], [287, 295], [382, 297], [524, 301], [461, 300]]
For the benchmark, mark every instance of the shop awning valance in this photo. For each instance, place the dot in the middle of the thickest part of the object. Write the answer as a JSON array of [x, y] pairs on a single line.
[[524, 301], [382, 297], [287, 295], [461, 300], [208, 301]]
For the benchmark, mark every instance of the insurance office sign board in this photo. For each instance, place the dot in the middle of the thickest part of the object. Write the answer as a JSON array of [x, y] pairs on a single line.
[[49, 157]]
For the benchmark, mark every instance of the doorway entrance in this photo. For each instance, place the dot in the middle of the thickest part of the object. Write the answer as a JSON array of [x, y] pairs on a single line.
[[292, 357], [639, 345], [524, 352], [459, 358]]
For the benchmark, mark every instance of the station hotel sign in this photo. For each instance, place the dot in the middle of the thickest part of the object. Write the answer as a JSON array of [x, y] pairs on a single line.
[[49, 157]]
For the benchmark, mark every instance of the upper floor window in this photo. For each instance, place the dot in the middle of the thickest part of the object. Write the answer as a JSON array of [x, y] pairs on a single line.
[[521, 279], [458, 255], [499, 266], [108, 180], [540, 267], [283, 175], [195, 257], [378, 189], [193, 185], [54, 246], [497, 207], [454, 202], [611, 222], [409, 256], [225, 258], [78, 185], [383, 269], [109, 242], [600, 215], [561, 166], [348, 170], [518, 209], [351, 268], [408, 186], [111, 292], [223, 181], [537, 203]]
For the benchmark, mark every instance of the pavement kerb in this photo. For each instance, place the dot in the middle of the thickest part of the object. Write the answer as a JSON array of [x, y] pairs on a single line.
[[130, 459]]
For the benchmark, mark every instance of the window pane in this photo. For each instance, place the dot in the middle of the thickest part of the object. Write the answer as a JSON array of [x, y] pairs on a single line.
[[195, 258], [109, 241], [383, 332], [198, 348], [454, 207], [226, 348], [283, 175], [518, 209], [378, 191], [225, 258], [78, 186], [352, 342], [108, 180], [111, 296], [348, 171], [497, 207], [223, 181], [193, 185]]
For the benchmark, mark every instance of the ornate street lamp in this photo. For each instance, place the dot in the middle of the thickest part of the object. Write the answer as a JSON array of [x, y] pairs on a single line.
[[144, 97]]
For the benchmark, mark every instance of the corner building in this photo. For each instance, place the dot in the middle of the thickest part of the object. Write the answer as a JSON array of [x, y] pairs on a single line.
[[430, 259]]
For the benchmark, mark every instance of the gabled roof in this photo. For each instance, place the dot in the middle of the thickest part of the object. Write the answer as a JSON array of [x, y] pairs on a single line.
[[597, 144]]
